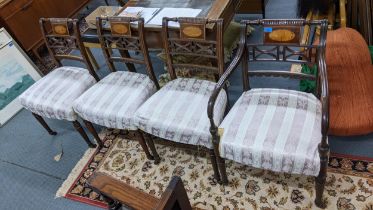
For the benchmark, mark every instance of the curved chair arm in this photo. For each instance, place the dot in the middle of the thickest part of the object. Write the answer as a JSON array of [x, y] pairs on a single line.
[[324, 97], [324, 101], [223, 79]]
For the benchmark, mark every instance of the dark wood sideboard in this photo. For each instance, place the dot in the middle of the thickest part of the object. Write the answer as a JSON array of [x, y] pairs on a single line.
[[253, 7], [21, 18]]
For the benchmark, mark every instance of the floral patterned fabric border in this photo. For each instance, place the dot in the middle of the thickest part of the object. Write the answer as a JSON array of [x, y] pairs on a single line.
[[351, 166], [349, 183]]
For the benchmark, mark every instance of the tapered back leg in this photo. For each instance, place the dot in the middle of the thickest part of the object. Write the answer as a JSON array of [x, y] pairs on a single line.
[[81, 131], [93, 131], [44, 124]]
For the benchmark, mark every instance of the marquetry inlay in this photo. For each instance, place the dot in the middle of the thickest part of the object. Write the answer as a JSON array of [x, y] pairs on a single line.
[[120, 28], [282, 35], [60, 28], [192, 31]]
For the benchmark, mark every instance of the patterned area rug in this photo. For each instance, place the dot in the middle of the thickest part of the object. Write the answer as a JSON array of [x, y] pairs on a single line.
[[349, 184]]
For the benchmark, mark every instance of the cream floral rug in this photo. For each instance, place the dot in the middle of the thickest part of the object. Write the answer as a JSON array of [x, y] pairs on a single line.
[[349, 184]]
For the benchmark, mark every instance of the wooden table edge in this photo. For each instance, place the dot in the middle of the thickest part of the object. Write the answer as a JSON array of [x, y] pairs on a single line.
[[218, 5], [103, 183]]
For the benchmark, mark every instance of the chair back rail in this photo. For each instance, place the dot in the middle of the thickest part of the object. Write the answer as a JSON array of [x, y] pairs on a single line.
[[264, 73], [124, 34], [61, 35], [313, 53], [195, 40], [282, 53]]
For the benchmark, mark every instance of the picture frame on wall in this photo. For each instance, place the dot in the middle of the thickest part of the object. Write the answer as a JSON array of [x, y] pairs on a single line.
[[17, 73]]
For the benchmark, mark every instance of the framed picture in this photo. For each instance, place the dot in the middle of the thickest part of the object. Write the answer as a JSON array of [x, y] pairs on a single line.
[[17, 73]]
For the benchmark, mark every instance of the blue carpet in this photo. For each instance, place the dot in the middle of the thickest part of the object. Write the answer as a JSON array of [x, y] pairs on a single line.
[[29, 177], [22, 188]]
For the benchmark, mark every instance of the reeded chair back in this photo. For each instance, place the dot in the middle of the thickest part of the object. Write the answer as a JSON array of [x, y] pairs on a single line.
[[196, 40], [288, 46], [61, 35], [124, 34]]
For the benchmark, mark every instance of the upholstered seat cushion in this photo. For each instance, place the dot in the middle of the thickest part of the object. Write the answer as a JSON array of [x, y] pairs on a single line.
[[113, 101], [54, 94], [274, 129], [178, 112]]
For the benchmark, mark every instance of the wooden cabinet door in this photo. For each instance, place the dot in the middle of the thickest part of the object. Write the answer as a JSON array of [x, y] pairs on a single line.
[[24, 24], [251, 6], [22, 17], [61, 8], [71, 7]]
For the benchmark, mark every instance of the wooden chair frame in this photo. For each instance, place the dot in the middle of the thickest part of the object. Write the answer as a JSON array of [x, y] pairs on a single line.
[[124, 39], [56, 41], [280, 52], [210, 45], [70, 40], [133, 40]]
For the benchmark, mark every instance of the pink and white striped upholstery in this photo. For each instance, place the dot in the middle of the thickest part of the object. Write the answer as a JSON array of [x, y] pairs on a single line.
[[178, 112], [53, 95], [274, 129], [113, 101]]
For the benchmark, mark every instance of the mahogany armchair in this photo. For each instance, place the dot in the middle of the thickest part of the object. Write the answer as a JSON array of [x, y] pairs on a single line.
[[113, 101], [54, 94], [277, 129]]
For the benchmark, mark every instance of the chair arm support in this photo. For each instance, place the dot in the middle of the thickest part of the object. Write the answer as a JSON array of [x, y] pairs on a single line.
[[324, 101], [324, 96], [224, 78]]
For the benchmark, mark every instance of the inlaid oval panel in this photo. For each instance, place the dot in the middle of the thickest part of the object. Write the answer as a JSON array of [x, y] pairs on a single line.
[[192, 31], [282, 35], [60, 29], [119, 28]]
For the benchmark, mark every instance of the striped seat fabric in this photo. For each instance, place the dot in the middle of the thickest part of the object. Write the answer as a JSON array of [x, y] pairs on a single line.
[[274, 129], [113, 101], [178, 112], [54, 94]]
